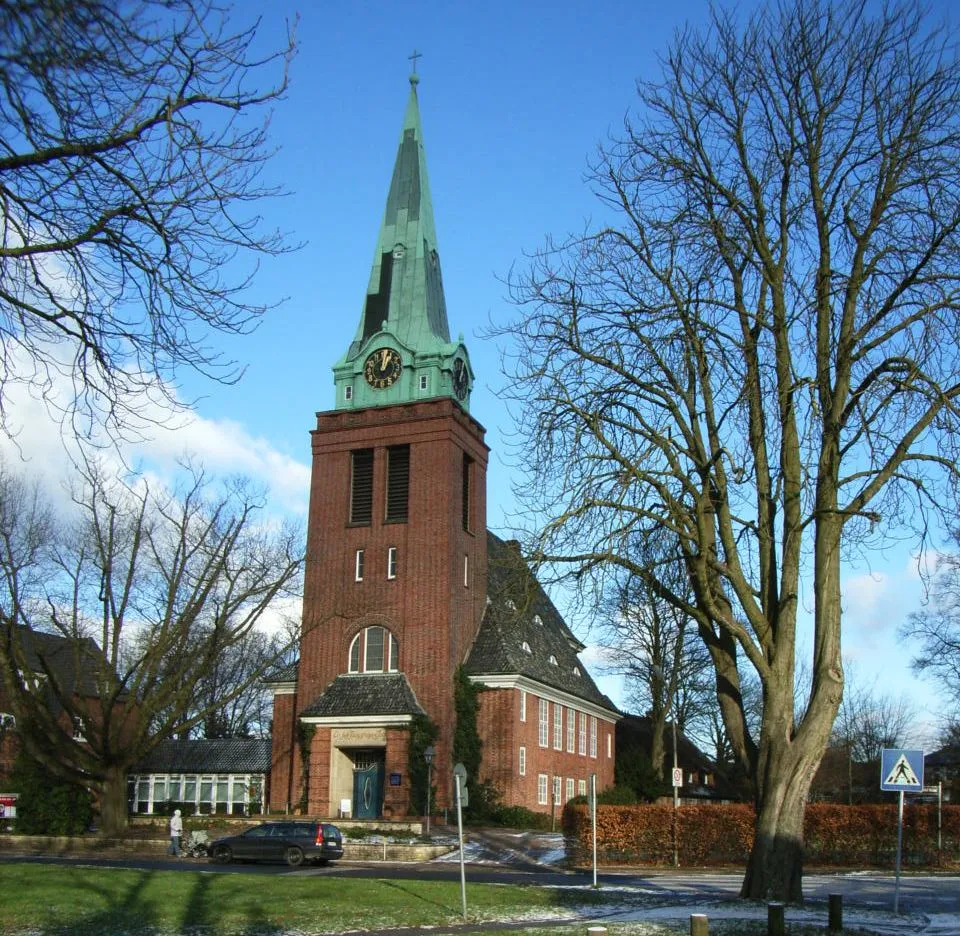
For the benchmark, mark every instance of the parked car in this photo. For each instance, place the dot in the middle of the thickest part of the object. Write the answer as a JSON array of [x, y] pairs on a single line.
[[291, 841]]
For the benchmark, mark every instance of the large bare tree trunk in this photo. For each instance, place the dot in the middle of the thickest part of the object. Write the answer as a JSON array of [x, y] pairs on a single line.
[[113, 802]]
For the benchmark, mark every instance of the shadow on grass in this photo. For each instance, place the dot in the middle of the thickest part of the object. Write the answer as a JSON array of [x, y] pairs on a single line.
[[126, 907]]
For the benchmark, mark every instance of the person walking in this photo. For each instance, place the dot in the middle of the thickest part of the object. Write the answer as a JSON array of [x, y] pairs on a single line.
[[176, 833]]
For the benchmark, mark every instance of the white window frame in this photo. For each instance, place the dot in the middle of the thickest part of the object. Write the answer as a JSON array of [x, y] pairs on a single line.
[[523, 705], [348, 392], [391, 562], [557, 789], [358, 566], [522, 760], [424, 382], [466, 571], [544, 723], [593, 736], [570, 789], [609, 745], [581, 788], [582, 735], [557, 726], [571, 729], [542, 784]]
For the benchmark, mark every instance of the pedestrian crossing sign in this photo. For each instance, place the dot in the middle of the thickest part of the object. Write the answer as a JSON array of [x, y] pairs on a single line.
[[901, 770]]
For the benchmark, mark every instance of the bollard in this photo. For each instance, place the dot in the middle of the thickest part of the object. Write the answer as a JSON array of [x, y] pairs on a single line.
[[835, 917], [775, 924], [698, 924]]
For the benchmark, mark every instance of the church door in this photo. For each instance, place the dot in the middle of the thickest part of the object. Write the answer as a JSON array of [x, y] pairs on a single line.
[[367, 786]]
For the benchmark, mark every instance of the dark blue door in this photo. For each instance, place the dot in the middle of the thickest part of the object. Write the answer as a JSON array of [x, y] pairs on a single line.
[[368, 791]]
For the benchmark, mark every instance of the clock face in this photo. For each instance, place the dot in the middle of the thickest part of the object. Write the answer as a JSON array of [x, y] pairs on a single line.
[[461, 378], [382, 368]]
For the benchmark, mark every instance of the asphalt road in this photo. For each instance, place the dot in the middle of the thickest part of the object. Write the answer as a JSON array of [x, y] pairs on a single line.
[[929, 894]]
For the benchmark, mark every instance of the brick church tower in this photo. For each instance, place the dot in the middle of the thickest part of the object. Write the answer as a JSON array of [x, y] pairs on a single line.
[[397, 590]]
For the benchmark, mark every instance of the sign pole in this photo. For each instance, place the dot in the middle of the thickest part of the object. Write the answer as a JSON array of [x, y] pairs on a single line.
[[593, 822], [896, 886], [463, 877]]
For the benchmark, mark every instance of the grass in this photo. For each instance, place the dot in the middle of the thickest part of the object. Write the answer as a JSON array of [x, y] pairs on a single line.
[[53, 900]]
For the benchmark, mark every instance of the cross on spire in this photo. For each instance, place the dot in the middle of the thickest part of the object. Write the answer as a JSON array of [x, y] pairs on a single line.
[[414, 58]]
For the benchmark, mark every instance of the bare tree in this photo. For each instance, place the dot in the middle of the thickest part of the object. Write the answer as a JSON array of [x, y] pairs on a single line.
[[759, 355], [132, 138], [933, 634], [147, 591]]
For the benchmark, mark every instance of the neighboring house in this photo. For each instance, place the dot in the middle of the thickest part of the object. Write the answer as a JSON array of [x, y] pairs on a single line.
[[228, 776], [68, 664], [943, 766], [702, 779], [404, 583]]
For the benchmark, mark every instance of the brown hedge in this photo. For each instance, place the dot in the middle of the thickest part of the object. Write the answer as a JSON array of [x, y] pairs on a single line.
[[723, 834]]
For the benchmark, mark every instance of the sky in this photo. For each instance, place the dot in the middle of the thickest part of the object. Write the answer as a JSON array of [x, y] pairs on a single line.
[[514, 98]]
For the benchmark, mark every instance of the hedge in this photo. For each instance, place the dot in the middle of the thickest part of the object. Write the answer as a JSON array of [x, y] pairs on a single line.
[[723, 834]]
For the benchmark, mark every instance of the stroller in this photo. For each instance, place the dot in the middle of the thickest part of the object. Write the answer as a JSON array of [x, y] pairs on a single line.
[[196, 846]]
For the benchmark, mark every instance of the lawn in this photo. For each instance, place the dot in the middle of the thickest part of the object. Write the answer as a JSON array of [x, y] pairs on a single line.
[[53, 900]]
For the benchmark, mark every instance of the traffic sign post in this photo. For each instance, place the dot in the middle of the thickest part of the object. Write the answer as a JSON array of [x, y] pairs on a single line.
[[901, 771], [460, 786]]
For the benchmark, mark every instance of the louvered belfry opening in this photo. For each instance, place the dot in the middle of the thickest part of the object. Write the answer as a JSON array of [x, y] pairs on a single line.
[[467, 471], [361, 486], [398, 483]]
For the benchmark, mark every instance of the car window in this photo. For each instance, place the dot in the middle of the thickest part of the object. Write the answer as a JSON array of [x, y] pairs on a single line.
[[283, 829], [305, 829], [261, 831]]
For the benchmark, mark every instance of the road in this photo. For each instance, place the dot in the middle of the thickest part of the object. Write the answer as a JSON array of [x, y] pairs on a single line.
[[927, 894]]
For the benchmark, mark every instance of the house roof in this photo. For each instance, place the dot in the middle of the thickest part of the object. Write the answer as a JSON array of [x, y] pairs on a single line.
[[366, 694], [74, 664], [221, 755], [522, 632]]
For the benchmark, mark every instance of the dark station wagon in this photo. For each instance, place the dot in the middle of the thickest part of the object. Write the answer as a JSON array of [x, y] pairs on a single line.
[[289, 841]]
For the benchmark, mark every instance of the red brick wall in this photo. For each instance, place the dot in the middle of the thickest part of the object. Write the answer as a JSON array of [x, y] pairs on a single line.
[[283, 794], [396, 799], [502, 733], [318, 798], [433, 616]]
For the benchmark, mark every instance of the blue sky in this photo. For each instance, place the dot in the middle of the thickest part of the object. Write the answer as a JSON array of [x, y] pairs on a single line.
[[514, 98]]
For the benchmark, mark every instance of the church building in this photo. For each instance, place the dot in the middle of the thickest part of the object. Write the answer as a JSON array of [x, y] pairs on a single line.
[[404, 584]]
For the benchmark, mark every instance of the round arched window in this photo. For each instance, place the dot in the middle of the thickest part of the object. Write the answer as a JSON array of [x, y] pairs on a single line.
[[374, 650]]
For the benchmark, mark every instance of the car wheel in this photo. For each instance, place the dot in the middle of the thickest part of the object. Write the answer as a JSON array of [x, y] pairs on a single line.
[[223, 854], [293, 856]]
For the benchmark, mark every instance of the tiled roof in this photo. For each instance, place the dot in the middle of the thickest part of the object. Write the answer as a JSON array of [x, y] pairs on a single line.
[[73, 663], [283, 674], [222, 755], [366, 694], [523, 634]]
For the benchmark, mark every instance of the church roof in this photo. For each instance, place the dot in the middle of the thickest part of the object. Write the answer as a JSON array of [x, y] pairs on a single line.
[[406, 287], [522, 632], [220, 755], [365, 694]]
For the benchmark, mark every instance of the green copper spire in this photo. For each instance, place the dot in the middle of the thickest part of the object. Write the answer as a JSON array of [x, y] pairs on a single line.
[[402, 349]]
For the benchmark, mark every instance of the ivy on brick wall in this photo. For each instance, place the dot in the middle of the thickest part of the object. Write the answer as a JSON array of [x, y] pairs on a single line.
[[467, 746], [304, 740], [423, 733]]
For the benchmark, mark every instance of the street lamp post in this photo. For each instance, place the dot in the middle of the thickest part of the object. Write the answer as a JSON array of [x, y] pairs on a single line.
[[428, 757]]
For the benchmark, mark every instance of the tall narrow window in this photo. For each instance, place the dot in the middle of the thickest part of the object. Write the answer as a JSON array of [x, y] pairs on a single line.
[[358, 566], [582, 735], [361, 486], [466, 571], [557, 781], [544, 722], [569, 789], [571, 729], [523, 760], [542, 789], [593, 736], [557, 727], [398, 483], [373, 662], [466, 505], [523, 705], [392, 562]]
